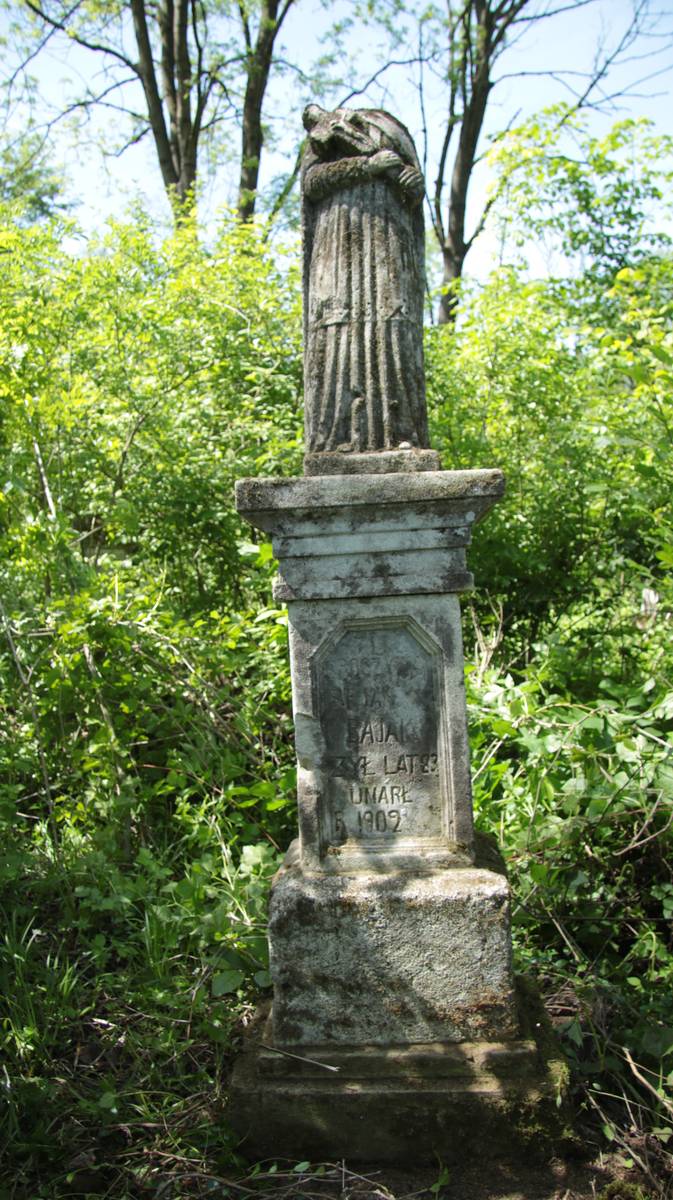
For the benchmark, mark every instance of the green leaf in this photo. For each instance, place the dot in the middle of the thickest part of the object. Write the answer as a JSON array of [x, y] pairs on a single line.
[[665, 554], [226, 982], [265, 553]]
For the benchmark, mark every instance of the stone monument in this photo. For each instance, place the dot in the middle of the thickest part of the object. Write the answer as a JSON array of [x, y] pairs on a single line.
[[395, 1030]]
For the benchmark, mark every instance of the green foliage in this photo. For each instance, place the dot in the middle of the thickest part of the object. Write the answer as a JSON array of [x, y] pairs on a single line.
[[147, 775], [504, 392], [565, 383], [146, 762], [28, 182], [579, 796], [140, 376], [578, 414], [593, 200]]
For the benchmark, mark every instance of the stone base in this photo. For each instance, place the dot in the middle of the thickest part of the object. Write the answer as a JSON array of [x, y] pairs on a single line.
[[392, 957], [404, 1105]]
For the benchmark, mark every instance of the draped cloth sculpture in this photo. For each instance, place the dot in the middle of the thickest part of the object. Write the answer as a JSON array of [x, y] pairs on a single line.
[[362, 193]]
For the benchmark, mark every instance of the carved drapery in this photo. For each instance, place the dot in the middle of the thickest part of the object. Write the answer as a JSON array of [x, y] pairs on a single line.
[[363, 283]]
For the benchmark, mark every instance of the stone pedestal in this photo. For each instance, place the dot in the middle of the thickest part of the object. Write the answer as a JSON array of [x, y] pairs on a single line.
[[391, 957], [370, 567], [389, 931]]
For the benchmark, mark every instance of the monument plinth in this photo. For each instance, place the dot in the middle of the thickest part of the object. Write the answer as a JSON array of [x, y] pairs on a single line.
[[389, 933], [370, 567]]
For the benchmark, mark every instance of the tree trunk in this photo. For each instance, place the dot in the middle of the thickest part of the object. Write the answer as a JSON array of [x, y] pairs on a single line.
[[155, 112], [455, 247], [183, 134], [453, 270], [260, 57], [477, 39], [252, 140]]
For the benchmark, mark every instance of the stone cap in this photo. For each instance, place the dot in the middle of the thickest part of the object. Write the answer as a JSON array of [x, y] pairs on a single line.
[[481, 488], [370, 535]]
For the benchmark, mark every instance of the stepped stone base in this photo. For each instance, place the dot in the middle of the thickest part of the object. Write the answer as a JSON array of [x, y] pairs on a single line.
[[402, 1104]]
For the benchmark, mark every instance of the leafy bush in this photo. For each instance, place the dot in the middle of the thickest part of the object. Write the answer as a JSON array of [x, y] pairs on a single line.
[[146, 761], [147, 775]]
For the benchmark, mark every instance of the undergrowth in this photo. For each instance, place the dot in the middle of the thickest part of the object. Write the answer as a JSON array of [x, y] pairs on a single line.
[[147, 781]]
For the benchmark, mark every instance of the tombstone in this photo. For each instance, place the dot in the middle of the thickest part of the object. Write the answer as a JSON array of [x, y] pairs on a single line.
[[396, 1031]]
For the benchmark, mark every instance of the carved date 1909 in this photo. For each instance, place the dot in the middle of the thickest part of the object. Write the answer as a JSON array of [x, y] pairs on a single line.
[[379, 714], [368, 822]]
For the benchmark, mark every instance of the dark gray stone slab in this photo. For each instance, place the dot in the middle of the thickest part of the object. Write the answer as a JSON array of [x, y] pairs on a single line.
[[379, 702], [380, 727], [404, 1104]]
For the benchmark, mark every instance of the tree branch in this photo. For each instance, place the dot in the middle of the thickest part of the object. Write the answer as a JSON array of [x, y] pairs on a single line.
[[99, 47], [34, 53], [202, 101], [37, 726], [46, 490], [555, 12], [134, 140], [479, 228], [285, 191], [630, 34], [393, 62], [199, 73], [91, 102], [246, 26]]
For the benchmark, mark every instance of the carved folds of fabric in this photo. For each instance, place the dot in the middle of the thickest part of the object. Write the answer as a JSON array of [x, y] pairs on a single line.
[[363, 297]]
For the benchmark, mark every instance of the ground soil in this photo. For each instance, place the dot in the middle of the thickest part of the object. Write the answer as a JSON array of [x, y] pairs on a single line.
[[555, 1180]]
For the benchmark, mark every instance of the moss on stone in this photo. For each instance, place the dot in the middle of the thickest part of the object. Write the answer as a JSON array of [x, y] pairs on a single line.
[[619, 1189]]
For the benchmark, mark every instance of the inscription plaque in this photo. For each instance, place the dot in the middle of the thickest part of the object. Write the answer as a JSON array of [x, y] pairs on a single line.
[[379, 708]]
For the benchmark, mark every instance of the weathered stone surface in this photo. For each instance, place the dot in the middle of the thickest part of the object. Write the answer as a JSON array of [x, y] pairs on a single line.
[[381, 462], [370, 566], [474, 491], [403, 1104], [379, 708], [370, 535], [390, 957], [362, 192], [389, 934], [380, 727]]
